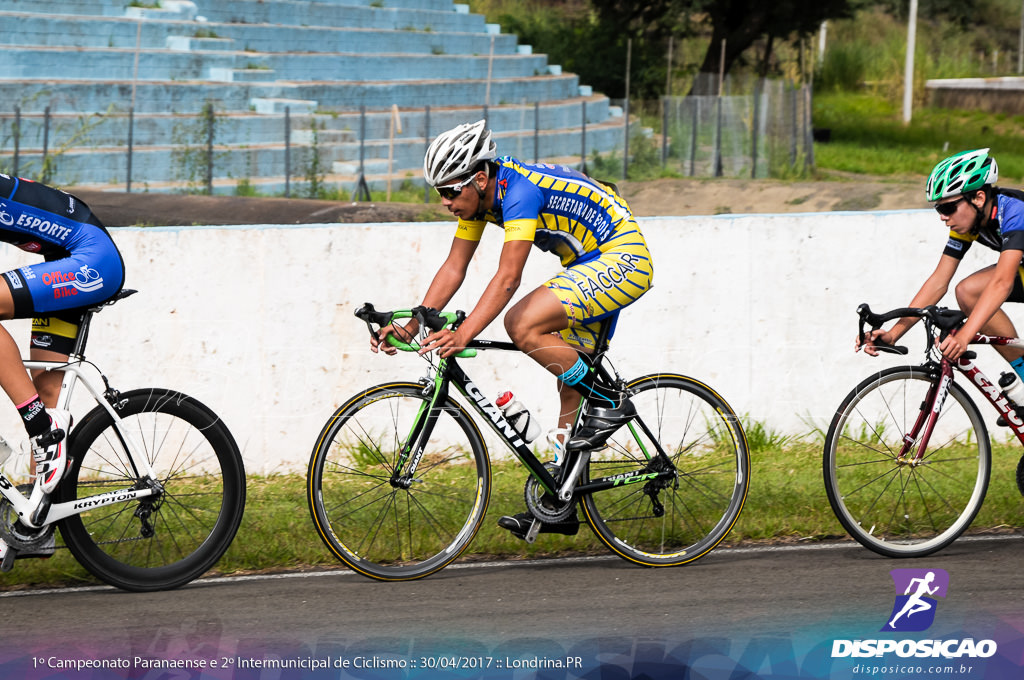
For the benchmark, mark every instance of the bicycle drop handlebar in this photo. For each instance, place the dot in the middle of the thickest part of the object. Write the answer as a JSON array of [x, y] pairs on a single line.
[[428, 317], [944, 319]]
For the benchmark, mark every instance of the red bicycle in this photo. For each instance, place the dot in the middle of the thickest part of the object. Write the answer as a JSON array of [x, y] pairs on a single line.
[[907, 457]]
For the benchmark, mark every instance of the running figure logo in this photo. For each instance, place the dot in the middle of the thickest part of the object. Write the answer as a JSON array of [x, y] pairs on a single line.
[[916, 589]]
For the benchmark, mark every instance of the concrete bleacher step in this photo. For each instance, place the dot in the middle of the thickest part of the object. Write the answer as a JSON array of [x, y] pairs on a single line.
[[88, 97], [101, 64], [55, 30], [242, 75], [172, 166], [323, 61], [278, 105], [264, 122]]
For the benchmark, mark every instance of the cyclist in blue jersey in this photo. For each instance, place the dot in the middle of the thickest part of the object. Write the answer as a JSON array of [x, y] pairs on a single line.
[[82, 268], [968, 202], [585, 223]]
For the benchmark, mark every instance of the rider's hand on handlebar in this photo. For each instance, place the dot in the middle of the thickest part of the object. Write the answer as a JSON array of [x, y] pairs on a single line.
[[952, 347], [884, 337], [445, 342], [405, 333]]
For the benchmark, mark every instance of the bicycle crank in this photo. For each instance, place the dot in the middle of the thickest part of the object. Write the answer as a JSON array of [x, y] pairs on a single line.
[[15, 534], [543, 505]]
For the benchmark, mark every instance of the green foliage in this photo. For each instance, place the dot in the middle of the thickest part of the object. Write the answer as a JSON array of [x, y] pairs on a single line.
[[644, 161], [315, 167], [868, 137], [763, 439], [869, 49], [193, 155]]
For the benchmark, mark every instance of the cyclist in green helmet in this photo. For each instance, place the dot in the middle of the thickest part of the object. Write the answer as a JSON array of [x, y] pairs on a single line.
[[968, 202]]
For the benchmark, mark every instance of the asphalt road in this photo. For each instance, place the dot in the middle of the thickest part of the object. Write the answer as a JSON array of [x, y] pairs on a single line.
[[799, 597]]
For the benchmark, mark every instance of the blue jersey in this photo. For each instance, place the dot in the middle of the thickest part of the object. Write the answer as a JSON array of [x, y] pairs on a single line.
[[1003, 231], [83, 266]]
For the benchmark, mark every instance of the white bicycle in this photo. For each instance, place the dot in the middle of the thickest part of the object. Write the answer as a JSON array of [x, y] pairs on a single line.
[[155, 487]]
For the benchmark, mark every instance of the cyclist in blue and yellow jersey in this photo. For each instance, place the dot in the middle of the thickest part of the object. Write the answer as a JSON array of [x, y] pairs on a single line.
[[962, 188], [559, 210], [82, 268]]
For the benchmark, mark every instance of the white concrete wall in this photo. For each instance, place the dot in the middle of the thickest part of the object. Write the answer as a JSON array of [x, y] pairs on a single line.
[[257, 321]]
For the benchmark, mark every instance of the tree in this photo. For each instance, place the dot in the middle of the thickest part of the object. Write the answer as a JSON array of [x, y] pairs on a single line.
[[740, 23]]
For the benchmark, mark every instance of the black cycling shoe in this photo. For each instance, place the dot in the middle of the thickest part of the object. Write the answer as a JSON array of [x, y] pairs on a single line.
[[520, 524], [599, 424]]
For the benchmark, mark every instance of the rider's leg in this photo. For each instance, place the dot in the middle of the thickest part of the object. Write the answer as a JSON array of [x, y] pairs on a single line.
[[969, 291], [533, 324], [13, 378], [47, 382], [47, 434]]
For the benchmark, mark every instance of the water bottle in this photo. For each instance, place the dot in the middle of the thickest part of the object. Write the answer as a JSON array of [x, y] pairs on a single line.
[[1013, 387], [5, 450], [518, 416]]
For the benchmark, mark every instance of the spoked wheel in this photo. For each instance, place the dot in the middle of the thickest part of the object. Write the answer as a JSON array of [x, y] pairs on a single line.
[[898, 504], [397, 527], [671, 521], [168, 539]]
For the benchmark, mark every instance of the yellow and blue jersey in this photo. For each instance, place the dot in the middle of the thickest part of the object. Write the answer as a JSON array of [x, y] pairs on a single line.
[[560, 209]]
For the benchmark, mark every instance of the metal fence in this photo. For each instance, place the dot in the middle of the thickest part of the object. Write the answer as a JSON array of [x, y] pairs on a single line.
[[767, 133], [764, 133]]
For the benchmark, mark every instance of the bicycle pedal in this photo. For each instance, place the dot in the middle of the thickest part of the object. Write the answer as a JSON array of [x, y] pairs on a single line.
[[531, 535]]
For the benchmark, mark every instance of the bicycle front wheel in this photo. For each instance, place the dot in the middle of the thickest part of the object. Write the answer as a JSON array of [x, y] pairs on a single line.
[[374, 515], [903, 505], [166, 540], [673, 521]]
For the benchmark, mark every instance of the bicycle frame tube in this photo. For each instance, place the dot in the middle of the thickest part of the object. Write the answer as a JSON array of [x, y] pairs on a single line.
[[993, 394], [496, 419], [58, 511], [450, 372], [927, 417], [25, 506], [419, 435]]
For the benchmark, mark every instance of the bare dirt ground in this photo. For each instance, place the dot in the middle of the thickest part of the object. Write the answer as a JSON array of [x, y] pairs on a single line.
[[663, 197]]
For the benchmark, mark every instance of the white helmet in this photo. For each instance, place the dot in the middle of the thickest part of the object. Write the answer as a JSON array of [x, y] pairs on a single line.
[[456, 152]]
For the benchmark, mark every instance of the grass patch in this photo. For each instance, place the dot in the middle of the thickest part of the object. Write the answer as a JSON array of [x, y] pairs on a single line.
[[868, 137]]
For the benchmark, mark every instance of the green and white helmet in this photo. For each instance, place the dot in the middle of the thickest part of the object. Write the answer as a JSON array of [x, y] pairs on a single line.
[[960, 173]]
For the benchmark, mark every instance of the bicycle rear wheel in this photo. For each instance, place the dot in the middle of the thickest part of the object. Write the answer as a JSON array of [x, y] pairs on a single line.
[[675, 521], [397, 529], [169, 539], [903, 507]]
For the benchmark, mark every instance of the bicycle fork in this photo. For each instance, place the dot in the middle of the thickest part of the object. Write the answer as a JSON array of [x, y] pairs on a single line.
[[921, 432]]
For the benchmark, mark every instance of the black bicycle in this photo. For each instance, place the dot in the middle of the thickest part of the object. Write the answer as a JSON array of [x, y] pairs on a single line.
[[399, 479]]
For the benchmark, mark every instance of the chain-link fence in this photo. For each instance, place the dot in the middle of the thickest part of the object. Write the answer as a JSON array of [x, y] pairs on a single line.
[[766, 133]]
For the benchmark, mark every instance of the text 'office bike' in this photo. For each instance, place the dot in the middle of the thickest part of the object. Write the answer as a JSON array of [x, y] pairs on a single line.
[[155, 486], [907, 456], [399, 479]]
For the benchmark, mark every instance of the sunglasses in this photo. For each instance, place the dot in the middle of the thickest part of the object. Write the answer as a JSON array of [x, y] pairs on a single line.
[[452, 191], [949, 208]]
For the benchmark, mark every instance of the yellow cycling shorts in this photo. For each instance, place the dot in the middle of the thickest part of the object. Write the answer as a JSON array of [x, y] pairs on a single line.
[[596, 289]]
